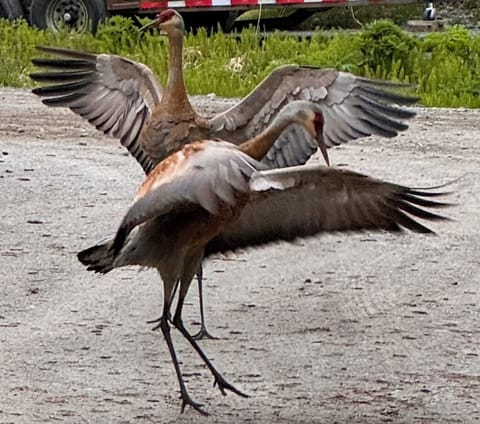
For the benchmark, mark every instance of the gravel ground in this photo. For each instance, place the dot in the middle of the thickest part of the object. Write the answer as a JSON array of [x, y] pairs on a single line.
[[340, 328]]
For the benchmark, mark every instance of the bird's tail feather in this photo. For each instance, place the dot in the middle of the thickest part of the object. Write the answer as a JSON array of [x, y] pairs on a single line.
[[98, 258]]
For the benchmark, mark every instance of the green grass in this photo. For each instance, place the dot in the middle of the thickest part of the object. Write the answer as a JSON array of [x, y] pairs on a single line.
[[444, 66]]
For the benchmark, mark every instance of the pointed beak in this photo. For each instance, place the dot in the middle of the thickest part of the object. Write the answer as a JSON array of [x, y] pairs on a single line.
[[149, 25], [316, 131], [323, 148]]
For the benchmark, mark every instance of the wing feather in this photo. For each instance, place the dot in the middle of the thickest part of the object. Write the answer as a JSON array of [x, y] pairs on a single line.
[[295, 146], [353, 107], [205, 179], [303, 201], [111, 92]]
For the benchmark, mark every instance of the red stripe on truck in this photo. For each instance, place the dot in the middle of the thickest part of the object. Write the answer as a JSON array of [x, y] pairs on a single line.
[[154, 4]]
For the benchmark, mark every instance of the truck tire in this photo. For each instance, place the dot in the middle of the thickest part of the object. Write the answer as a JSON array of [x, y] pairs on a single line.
[[76, 15], [11, 9]]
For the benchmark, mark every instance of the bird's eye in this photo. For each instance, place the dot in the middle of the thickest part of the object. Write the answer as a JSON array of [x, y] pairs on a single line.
[[319, 118]]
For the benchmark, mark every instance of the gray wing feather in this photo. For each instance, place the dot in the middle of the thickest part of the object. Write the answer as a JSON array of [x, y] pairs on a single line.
[[114, 94], [353, 107], [304, 201], [294, 147]]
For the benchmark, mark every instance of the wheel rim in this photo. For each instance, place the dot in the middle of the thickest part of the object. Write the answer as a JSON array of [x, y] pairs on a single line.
[[70, 14]]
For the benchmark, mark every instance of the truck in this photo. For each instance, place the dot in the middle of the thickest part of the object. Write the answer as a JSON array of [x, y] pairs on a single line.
[[84, 15]]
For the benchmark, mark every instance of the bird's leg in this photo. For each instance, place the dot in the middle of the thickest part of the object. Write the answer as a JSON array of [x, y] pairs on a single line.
[[203, 333], [157, 320], [219, 379], [165, 327]]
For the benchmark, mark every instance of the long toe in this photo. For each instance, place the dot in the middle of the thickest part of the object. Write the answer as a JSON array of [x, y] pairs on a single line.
[[153, 321], [158, 322], [159, 319], [203, 334], [225, 385], [187, 400]]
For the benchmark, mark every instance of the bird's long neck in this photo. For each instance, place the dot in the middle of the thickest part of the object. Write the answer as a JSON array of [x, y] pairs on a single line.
[[257, 147], [175, 90]]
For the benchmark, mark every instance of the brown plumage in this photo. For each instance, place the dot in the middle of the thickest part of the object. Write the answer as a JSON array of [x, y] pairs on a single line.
[[123, 98], [212, 197]]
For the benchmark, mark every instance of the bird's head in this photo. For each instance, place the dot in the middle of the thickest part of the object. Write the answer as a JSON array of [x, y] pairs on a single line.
[[310, 116], [304, 113], [318, 123], [314, 122], [168, 20]]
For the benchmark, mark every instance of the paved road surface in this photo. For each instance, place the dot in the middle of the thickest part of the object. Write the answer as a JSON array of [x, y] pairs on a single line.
[[361, 329]]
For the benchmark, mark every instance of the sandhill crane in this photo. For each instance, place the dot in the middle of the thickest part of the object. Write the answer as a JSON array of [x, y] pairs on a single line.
[[123, 98], [214, 196]]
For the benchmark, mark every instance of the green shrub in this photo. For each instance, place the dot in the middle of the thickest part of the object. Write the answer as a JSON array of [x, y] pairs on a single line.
[[387, 50], [445, 67], [342, 17]]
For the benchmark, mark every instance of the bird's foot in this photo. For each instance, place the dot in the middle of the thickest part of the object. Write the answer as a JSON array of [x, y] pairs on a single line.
[[153, 321], [203, 334], [158, 322], [187, 400], [225, 385]]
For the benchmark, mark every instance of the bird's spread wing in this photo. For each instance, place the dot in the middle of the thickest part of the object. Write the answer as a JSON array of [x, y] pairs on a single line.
[[353, 107], [303, 201], [203, 175], [116, 95]]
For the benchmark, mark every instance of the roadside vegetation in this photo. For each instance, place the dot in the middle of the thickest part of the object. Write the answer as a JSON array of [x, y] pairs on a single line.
[[445, 67], [345, 17]]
